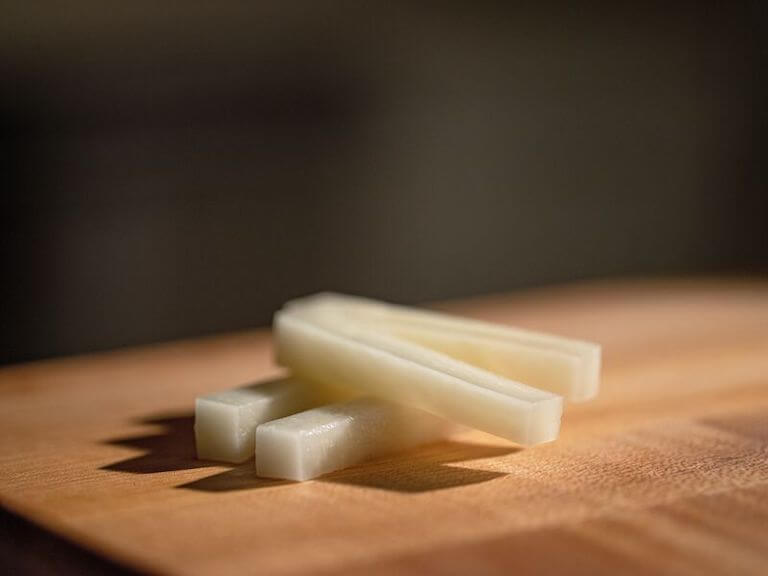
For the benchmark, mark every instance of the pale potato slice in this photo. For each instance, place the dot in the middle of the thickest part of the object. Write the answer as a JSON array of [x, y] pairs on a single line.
[[336, 436], [321, 344], [565, 366]]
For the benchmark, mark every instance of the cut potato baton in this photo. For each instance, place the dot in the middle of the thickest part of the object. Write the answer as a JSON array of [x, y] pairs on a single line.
[[565, 366], [333, 437], [321, 344]]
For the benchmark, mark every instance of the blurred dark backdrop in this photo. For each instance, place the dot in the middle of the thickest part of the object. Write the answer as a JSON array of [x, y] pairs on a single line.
[[173, 170]]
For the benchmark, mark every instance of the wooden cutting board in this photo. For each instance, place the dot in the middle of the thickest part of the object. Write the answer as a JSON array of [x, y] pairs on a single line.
[[667, 472]]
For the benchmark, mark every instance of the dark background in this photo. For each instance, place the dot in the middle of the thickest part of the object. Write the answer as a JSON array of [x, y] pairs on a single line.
[[173, 170]]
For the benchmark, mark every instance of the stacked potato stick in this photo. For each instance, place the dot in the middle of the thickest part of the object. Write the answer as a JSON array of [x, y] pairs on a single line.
[[369, 378]]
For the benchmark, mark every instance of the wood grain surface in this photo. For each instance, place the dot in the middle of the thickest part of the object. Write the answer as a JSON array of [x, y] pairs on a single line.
[[666, 472]]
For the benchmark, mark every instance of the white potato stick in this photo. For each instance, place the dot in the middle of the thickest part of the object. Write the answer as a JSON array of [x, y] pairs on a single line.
[[565, 366], [225, 422], [336, 436], [322, 345]]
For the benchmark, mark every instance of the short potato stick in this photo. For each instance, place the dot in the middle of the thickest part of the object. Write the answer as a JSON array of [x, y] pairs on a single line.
[[225, 422], [321, 345], [565, 366], [336, 436]]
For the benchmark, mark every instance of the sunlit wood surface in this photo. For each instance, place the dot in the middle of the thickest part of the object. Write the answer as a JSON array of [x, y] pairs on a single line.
[[667, 472]]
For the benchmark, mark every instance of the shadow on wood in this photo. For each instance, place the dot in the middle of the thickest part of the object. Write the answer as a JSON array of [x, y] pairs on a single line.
[[31, 549], [421, 470], [173, 448], [425, 469], [242, 477]]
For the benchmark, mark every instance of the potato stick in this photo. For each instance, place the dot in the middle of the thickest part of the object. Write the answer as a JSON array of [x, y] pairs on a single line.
[[333, 437], [322, 346], [565, 366]]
